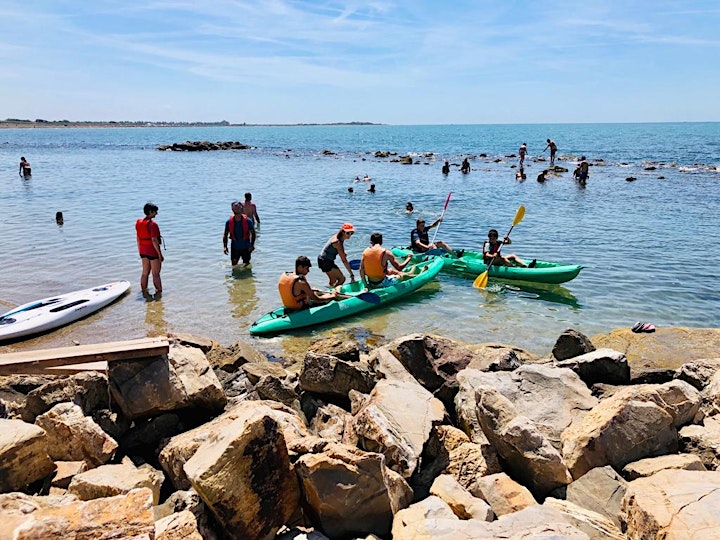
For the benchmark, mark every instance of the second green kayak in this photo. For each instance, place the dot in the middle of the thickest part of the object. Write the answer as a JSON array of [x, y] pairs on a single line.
[[278, 321], [471, 262]]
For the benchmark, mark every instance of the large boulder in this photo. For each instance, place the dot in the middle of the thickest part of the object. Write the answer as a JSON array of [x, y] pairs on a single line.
[[347, 350], [571, 343], [665, 348], [386, 423], [649, 466], [464, 505], [182, 447], [88, 390], [330, 376], [230, 358], [503, 494], [698, 372], [125, 516], [111, 480], [600, 490], [616, 432], [182, 378], [349, 492], [599, 366], [245, 478], [72, 436], [703, 441], [23, 454], [529, 455], [595, 525], [677, 398], [673, 505], [180, 525], [711, 396]]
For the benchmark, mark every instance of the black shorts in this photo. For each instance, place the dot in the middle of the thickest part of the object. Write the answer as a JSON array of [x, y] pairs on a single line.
[[236, 254], [150, 257], [326, 264]]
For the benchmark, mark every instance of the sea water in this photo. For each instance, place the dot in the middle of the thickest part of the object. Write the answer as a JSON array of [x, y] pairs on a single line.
[[649, 246]]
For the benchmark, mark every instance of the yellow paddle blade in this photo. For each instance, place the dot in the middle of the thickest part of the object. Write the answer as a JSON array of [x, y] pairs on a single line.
[[481, 281], [519, 215]]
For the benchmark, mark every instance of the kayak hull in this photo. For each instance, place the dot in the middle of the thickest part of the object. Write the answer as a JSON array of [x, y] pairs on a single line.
[[56, 311], [471, 263], [280, 321]]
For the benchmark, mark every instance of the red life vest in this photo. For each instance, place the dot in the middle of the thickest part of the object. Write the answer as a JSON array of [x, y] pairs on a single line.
[[245, 227], [143, 228]]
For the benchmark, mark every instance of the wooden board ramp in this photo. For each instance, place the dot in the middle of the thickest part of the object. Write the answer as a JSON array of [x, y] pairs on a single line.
[[69, 360]]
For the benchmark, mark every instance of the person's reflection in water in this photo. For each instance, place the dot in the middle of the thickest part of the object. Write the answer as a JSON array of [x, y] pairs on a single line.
[[242, 292], [155, 322]]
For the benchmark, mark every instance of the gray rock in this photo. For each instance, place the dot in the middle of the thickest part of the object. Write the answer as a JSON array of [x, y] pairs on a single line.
[[600, 366], [330, 376], [571, 343], [89, 390], [600, 490]]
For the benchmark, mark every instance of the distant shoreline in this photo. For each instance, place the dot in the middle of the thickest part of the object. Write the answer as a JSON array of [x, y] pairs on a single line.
[[27, 124]]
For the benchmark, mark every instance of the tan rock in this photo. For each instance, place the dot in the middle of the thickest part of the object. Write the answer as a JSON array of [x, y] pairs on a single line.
[[649, 466], [23, 454], [463, 504], [698, 372], [703, 441], [231, 358], [87, 389], [665, 348], [387, 366], [330, 422], [72, 436], [600, 490], [111, 480], [595, 525], [121, 517], [386, 423], [181, 379], [711, 396], [351, 492], [181, 525], [243, 474], [673, 505], [677, 398], [65, 470], [616, 432], [330, 376], [182, 447], [503, 494]]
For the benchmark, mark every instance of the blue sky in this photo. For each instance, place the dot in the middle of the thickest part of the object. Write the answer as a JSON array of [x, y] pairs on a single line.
[[393, 62]]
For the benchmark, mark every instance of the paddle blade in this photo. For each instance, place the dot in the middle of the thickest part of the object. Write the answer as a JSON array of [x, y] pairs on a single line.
[[481, 281], [354, 264], [447, 201], [369, 297], [519, 215]]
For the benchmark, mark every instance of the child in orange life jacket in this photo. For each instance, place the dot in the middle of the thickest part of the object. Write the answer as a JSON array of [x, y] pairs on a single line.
[[295, 291], [148, 242], [491, 249], [374, 264], [241, 230]]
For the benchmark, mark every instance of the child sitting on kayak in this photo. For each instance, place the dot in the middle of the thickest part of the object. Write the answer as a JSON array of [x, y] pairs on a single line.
[[491, 250]]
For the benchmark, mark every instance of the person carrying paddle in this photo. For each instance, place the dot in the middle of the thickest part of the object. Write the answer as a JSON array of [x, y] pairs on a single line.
[[334, 247], [420, 240], [491, 249], [295, 291], [148, 242], [374, 270]]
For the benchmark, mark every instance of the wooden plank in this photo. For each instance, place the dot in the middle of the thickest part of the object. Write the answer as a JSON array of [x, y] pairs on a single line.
[[74, 369], [32, 362]]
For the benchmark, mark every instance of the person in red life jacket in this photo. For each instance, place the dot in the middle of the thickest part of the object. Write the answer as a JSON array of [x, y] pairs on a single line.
[[334, 247], [491, 249], [148, 242], [295, 291], [420, 239], [241, 230], [374, 270]]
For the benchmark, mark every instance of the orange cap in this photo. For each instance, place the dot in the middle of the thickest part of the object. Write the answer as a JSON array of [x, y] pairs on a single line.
[[348, 227]]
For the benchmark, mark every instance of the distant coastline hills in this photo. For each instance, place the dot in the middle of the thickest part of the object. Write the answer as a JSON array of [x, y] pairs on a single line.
[[40, 123]]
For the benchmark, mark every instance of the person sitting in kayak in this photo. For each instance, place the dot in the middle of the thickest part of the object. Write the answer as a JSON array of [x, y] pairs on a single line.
[[420, 241], [333, 248], [374, 270], [295, 291], [491, 250]]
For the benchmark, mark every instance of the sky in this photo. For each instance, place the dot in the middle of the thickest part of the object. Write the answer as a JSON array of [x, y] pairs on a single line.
[[383, 61]]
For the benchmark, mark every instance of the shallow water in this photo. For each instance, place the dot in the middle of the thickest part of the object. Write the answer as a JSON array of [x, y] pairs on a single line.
[[649, 247]]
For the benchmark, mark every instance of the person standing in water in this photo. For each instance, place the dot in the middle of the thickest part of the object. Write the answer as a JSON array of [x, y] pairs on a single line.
[[25, 168], [553, 150], [241, 230], [333, 247], [148, 242], [249, 209], [522, 152], [465, 167], [446, 168]]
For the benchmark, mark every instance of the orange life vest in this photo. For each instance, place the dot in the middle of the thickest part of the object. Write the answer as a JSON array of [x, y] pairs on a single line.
[[373, 263], [245, 227], [143, 228], [286, 284]]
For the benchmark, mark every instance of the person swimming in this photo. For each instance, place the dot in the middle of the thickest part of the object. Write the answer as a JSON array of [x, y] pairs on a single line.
[[409, 208]]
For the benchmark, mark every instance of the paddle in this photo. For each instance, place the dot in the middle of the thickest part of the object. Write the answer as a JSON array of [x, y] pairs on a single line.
[[366, 296], [447, 201], [354, 264], [482, 280]]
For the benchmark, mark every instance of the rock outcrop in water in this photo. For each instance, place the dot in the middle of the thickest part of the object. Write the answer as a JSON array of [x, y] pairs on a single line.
[[203, 146], [423, 437]]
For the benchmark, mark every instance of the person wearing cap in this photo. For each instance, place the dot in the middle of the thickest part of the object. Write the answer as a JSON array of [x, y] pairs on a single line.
[[333, 248], [295, 291], [419, 239]]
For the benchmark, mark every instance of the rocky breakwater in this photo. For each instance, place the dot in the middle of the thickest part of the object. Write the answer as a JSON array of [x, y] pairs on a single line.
[[420, 438], [203, 146]]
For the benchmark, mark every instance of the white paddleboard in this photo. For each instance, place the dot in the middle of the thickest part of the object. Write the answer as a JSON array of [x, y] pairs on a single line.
[[56, 311]]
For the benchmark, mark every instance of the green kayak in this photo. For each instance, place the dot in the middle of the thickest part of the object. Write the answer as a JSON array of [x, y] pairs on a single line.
[[425, 269], [471, 262]]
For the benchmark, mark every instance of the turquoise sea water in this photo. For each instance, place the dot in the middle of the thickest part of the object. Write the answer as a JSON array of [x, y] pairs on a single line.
[[650, 247]]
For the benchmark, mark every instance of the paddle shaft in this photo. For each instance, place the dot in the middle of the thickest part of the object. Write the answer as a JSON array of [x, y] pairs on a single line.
[[437, 227]]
